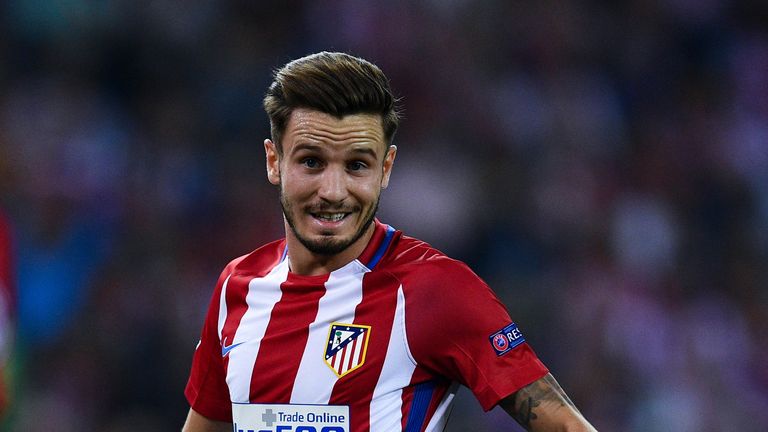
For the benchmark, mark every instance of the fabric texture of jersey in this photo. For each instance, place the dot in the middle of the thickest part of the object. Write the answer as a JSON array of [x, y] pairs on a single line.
[[421, 322]]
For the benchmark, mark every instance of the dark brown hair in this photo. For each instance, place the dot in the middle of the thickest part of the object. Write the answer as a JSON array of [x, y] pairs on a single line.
[[334, 83]]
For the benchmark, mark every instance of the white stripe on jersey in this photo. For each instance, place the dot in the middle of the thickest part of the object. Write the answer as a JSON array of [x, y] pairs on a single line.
[[343, 292], [386, 409], [223, 307], [263, 294]]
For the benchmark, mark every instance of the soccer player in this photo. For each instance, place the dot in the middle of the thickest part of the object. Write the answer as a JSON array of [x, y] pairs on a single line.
[[347, 324]]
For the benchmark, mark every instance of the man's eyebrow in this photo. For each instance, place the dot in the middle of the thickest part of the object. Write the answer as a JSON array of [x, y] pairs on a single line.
[[313, 147], [307, 146], [366, 150]]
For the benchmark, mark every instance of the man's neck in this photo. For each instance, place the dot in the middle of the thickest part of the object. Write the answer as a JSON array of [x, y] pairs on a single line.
[[304, 262]]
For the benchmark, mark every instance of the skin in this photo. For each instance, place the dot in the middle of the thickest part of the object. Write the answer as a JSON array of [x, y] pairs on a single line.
[[543, 406], [330, 166]]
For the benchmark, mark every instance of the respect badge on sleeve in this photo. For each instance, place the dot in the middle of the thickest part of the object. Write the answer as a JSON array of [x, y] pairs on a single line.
[[505, 339]]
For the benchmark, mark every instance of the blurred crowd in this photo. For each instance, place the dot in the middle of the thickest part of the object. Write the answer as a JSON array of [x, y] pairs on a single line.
[[603, 165]]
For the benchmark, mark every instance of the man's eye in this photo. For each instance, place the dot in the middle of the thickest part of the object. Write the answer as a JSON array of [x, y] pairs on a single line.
[[356, 166], [310, 162]]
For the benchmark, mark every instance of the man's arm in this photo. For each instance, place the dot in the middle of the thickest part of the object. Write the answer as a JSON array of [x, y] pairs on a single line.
[[197, 423], [543, 406]]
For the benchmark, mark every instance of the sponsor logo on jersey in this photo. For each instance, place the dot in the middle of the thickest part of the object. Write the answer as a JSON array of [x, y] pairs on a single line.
[[505, 339], [346, 347], [289, 418]]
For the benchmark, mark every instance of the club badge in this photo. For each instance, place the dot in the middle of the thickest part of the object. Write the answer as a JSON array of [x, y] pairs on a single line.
[[346, 347]]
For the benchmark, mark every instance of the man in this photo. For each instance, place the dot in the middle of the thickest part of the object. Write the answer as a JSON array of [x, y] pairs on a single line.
[[346, 324]]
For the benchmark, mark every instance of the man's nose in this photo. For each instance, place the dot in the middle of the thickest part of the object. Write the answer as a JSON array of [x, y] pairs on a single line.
[[333, 186]]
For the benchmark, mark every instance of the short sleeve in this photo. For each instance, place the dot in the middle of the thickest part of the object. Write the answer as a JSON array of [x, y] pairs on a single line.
[[451, 318], [207, 391]]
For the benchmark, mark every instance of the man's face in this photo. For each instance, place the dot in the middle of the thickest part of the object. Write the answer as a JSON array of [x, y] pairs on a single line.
[[331, 173]]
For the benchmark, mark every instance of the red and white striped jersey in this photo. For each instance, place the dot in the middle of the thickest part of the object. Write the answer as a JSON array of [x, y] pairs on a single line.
[[390, 335]]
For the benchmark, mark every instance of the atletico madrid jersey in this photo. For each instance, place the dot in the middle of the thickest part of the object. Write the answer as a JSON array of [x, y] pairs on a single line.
[[383, 342]]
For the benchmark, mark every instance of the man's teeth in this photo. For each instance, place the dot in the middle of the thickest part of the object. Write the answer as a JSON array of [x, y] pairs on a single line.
[[332, 217]]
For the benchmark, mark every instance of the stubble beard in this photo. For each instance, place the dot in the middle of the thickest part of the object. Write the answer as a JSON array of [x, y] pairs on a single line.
[[327, 246]]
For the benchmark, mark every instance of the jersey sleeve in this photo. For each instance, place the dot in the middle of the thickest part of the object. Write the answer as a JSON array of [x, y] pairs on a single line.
[[206, 390], [452, 317]]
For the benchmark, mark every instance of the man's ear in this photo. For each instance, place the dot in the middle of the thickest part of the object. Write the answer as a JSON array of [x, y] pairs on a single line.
[[273, 162], [389, 161]]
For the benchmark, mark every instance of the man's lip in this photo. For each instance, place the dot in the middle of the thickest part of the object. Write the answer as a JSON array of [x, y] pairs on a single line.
[[318, 215]]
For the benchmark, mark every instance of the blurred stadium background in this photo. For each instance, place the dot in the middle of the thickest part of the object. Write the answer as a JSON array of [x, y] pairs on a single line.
[[603, 165]]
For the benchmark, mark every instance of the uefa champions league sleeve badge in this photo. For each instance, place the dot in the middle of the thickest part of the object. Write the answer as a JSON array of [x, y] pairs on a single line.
[[346, 347], [505, 339]]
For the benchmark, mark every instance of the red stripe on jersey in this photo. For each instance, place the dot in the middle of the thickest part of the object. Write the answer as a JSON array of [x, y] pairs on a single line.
[[351, 354], [287, 332], [377, 309]]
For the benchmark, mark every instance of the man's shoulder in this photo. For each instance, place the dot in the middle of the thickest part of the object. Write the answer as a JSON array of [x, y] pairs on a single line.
[[415, 260], [435, 286], [258, 262]]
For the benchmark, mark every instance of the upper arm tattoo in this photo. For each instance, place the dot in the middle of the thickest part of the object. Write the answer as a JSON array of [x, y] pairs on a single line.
[[524, 404]]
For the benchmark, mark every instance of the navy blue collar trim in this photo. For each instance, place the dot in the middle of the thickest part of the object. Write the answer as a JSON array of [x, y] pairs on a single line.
[[382, 248]]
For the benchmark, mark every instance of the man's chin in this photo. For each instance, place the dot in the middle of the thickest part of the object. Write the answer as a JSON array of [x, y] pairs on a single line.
[[326, 245], [330, 240]]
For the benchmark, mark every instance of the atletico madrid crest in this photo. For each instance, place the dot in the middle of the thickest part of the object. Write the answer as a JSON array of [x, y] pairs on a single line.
[[347, 344]]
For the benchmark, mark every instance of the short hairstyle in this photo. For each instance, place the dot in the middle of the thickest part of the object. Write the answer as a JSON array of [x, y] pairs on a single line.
[[334, 83]]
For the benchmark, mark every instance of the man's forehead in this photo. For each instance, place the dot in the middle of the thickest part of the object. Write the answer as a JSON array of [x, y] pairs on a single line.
[[302, 118], [304, 121]]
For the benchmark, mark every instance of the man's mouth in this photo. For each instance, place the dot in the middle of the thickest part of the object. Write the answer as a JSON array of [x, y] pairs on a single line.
[[329, 217]]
